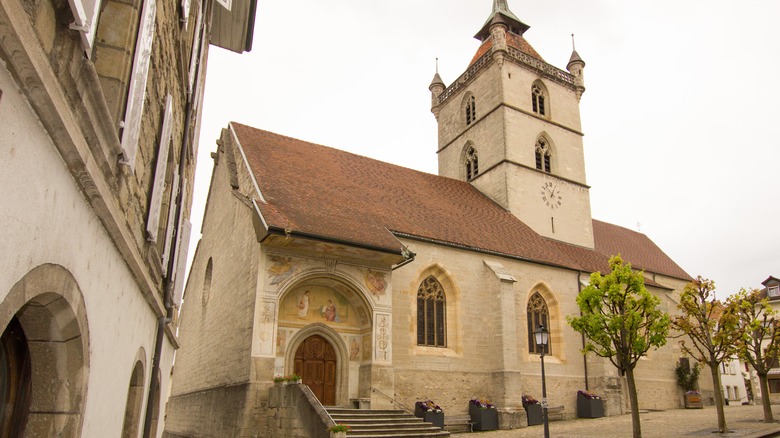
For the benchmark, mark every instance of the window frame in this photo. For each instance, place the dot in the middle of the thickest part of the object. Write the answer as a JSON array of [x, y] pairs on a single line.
[[537, 313], [543, 155], [539, 101], [431, 333], [471, 162], [470, 109]]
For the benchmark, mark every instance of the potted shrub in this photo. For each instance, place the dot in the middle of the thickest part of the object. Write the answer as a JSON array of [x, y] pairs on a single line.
[[589, 405], [483, 414], [339, 430], [533, 410], [430, 412], [688, 380]]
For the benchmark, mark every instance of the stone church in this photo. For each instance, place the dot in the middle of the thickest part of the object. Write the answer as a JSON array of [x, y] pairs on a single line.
[[381, 285]]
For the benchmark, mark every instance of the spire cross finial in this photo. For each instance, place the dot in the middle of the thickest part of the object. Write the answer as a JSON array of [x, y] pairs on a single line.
[[572, 43], [499, 5], [437, 65]]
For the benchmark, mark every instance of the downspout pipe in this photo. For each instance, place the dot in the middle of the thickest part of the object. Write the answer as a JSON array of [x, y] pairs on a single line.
[[168, 284], [584, 355]]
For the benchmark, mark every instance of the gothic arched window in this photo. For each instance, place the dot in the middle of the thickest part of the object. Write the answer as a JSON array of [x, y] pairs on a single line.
[[431, 318], [472, 163], [538, 100], [470, 109], [543, 155], [537, 315]]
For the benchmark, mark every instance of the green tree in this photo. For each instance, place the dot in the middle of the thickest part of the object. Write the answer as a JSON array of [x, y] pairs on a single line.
[[712, 331], [759, 339], [621, 321]]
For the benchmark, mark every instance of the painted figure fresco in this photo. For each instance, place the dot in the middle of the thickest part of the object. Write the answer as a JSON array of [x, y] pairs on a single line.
[[303, 305], [329, 312], [375, 282], [282, 268]]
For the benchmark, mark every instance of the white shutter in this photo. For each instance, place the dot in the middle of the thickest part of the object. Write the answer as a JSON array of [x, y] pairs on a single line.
[[85, 14], [135, 97], [181, 262], [185, 12], [196, 46], [179, 224], [170, 226], [158, 189]]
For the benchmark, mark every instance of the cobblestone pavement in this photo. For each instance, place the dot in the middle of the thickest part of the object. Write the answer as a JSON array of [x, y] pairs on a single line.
[[744, 422]]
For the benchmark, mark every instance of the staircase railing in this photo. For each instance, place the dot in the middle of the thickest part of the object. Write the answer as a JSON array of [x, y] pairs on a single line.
[[393, 401]]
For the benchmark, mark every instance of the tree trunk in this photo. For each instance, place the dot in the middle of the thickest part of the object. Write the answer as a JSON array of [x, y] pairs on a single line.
[[715, 371], [765, 401], [634, 403]]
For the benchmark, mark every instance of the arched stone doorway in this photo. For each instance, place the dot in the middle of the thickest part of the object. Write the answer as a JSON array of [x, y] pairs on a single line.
[[47, 306], [15, 380], [316, 363], [325, 335]]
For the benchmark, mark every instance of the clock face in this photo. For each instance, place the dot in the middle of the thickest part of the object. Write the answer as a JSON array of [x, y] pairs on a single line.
[[551, 194]]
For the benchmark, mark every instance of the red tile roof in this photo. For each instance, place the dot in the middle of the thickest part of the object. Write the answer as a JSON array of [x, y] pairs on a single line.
[[512, 40], [317, 190]]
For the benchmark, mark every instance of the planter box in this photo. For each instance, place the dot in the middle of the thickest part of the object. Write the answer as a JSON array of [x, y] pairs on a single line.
[[693, 401], [534, 414], [589, 408], [484, 419], [436, 418]]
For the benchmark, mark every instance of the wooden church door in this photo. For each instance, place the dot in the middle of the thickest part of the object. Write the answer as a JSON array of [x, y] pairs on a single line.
[[315, 362]]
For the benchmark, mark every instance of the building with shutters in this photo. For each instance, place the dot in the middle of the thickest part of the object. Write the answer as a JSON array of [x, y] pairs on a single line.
[[384, 286], [100, 103]]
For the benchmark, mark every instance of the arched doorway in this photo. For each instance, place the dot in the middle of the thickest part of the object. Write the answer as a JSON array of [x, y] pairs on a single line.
[[44, 316], [315, 362], [134, 400], [15, 380]]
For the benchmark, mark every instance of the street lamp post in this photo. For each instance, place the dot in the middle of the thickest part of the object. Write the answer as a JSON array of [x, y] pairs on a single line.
[[542, 335]]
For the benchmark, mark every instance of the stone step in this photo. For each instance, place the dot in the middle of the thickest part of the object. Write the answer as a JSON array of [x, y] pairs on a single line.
[[376, 423], [398, 434]]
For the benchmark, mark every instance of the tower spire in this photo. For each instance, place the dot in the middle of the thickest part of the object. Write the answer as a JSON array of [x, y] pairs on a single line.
[[501, 14]]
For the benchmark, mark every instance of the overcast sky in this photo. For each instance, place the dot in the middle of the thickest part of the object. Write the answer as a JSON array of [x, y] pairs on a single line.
[[680, 114]]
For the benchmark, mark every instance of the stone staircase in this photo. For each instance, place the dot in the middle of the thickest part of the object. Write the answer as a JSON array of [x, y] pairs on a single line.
[[373, 423]]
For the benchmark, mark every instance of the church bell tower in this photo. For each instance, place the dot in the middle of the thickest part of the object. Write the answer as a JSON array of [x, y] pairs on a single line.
[[510, 126]]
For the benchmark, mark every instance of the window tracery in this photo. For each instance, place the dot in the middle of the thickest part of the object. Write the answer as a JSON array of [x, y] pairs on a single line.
[[431, 319], [472, 163], [537, 314], [543, 155], [471, 109], [538, 100]]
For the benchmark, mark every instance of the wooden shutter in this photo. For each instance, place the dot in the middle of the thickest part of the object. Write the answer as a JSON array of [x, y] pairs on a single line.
[[131, 126], [181, 261], [170, 226], [197, 45], [158, 189]]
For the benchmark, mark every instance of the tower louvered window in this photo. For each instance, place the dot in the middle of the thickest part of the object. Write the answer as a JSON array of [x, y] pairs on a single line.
[[472, 163], [537, 100], [471, 110], [543, 155], [431, 317], [537, 315]]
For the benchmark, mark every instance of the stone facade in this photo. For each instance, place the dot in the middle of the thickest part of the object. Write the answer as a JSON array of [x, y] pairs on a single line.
[[94, 225]]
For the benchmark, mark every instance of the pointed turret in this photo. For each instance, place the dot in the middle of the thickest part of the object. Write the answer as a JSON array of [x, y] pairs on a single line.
[[501, 15], [437, 87], [576, 67]]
